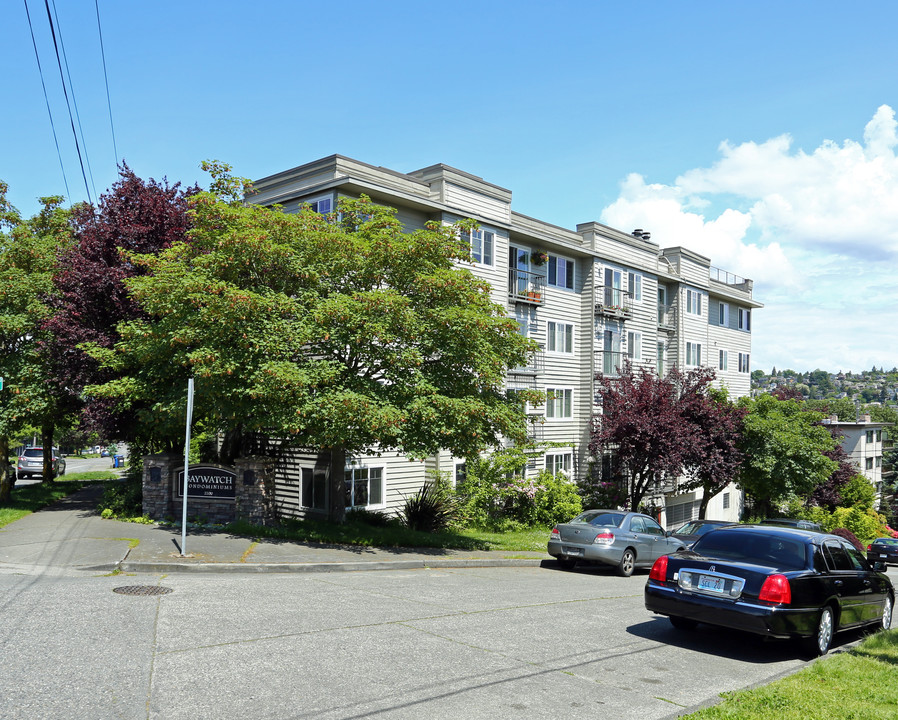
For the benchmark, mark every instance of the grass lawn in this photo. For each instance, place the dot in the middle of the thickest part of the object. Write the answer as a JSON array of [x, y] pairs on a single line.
[[392, 535], [858, 684], [27, 499]]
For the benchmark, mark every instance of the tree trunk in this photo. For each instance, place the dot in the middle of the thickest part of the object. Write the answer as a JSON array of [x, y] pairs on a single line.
[[47, 432], [5, 474], [336, 484]]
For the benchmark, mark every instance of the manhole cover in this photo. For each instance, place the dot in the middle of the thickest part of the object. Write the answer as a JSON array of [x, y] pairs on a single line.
[[142, 590]]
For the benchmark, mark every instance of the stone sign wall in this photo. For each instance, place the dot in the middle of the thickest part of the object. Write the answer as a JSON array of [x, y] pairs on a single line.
[[215, 493]]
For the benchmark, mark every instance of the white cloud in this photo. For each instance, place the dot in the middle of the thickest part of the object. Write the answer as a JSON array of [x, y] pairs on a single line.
[[817, 231]]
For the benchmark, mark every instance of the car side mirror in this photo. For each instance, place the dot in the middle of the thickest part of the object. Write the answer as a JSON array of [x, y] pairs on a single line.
[[880, 567]]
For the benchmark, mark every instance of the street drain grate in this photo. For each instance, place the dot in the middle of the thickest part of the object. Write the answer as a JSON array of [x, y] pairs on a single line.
[[142, 590]]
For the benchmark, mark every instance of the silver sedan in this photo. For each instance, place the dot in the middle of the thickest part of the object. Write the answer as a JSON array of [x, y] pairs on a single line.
[[621, 539]]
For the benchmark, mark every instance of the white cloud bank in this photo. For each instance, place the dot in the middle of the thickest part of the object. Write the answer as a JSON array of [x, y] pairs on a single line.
[[817, 232]]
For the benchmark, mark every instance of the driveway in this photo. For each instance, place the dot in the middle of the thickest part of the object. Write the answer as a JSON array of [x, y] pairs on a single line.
[[531, 642]]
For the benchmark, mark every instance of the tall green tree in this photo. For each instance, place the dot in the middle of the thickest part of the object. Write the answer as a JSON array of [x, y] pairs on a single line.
[[784, 450], [28, 251], [340, 332]]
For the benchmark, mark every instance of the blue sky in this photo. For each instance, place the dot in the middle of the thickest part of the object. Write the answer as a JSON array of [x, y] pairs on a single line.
[[761, 135]]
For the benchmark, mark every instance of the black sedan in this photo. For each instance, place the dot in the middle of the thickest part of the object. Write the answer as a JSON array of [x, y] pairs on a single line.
[[883, 550], [694, 529], [775, 582]]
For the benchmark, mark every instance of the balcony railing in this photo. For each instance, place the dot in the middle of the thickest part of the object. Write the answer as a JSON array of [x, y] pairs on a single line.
[[613, 302], [609, 363], [728, 278], [667, 317], [536, 364], [526, 287]]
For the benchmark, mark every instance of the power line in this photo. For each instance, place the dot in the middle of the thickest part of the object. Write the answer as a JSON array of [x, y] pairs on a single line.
[[68, 104], [106, 78], [68, 73], [47, 100]]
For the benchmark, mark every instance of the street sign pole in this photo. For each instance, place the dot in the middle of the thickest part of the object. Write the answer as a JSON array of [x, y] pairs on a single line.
[[186, 468]]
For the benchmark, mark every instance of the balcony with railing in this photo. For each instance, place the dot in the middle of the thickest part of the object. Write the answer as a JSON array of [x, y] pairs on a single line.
[[667, 317], [609, 362], [613, 302], [536, 364], [526, 287], [730, 280]]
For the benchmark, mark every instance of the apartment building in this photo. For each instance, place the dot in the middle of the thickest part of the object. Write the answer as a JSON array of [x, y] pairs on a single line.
[[864, 441], [591, 297]]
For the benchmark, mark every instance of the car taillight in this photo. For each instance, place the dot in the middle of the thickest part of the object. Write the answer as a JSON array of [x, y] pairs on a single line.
[[870, 546], [659, 569], [776, 589], [555, 534], [605, 537]]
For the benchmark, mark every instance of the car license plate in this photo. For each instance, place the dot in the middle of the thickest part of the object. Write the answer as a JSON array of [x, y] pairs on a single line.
[[573, 551], [885, 556], [713, 584]]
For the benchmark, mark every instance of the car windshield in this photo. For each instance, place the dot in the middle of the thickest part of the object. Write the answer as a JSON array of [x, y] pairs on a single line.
[[886, 541], [33, 452], [702, 529], [690, 528], [757, 549], [599, 518]]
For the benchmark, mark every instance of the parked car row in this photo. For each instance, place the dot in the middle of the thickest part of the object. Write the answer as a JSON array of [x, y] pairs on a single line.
[[769, 579]]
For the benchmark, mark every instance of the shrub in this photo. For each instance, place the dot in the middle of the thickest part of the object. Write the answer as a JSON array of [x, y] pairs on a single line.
[[864, 523], [496, 494], [431, 509], [557, 499], [372, 518], [122, 499]]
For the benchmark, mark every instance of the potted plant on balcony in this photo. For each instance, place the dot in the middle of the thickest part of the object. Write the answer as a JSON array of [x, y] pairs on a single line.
[[538, 258]]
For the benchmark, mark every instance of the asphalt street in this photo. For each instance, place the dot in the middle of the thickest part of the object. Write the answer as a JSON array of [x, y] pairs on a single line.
[[102, 619], [528, 642]]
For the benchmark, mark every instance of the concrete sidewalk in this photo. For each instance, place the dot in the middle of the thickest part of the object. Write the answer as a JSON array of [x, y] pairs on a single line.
[[70, 535]]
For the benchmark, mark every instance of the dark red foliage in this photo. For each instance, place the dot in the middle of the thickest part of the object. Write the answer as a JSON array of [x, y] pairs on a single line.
[[828, 494], [91, 298], [786, 392]]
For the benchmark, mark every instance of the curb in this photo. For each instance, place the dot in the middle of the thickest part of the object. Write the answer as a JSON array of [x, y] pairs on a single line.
[[320, 567]]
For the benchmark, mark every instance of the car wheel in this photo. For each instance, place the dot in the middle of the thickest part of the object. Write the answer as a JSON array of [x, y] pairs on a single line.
[[681, 623], [819, 643], [886, 620], [627, 563], [566, 563]]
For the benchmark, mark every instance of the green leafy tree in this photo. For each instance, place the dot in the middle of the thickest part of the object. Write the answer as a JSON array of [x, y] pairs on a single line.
[[783, 448], [340, 333], [28, 251]]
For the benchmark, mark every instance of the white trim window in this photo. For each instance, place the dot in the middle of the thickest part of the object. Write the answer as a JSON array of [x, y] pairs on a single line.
[[482, 243], [693, 302], [560, 272], [559, 403], [723, 359], [634, 286], [744, 363], [560, 463], [560, 337], [364, 487], [723, 314], [322, 204], [693, 354], [634, 346], [745, 319]]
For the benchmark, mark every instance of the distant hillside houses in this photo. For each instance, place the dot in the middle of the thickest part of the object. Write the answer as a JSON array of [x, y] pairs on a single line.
[[870, 387]]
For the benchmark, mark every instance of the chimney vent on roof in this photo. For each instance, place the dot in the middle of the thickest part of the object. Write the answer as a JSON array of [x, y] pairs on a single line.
[[646, 236], [637, 232]]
